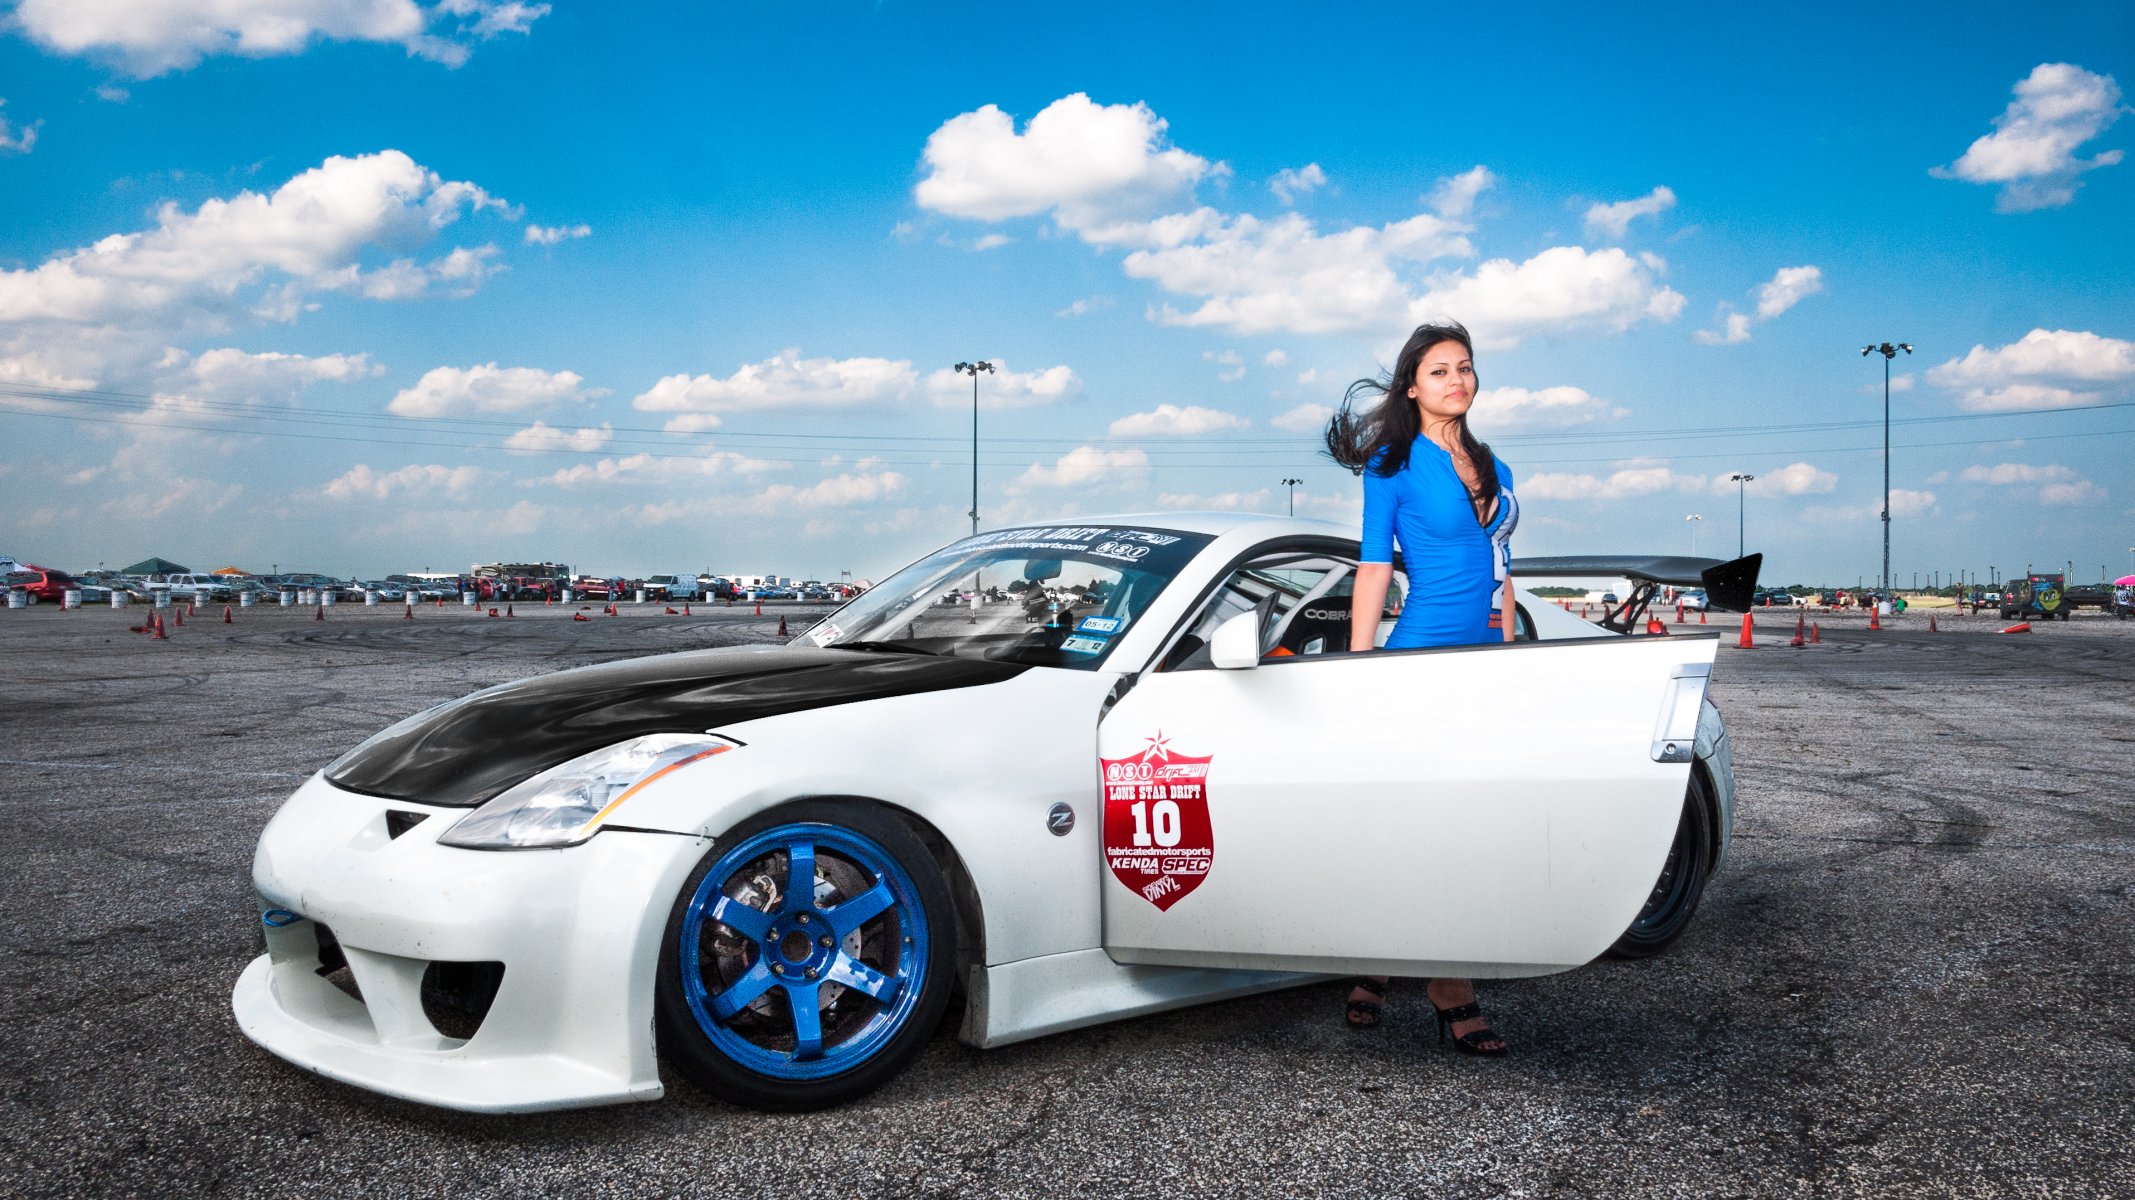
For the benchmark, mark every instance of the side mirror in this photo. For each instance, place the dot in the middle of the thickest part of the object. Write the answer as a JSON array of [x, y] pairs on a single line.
[[1236, 644]]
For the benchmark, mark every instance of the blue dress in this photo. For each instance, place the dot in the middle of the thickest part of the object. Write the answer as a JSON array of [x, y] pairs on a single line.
[[1456, 564]]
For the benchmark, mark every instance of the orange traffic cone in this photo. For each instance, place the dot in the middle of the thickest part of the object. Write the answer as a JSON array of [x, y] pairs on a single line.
[[1748, 642], [1875, 616], [759, 608], [492, 612], [782, 628], [408, 613], [180, 614], [1679, 612], [1653, 625], [1701, 616], [685, 608], [226, 614], [157, 632], [2019, 627], [1798, 641], [318, 613], [508, 611], [580, 617], [1931, 623], [1816, 637], [672, 611]]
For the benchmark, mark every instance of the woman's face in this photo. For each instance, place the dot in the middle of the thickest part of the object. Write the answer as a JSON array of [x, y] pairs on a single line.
[[1444, 386]]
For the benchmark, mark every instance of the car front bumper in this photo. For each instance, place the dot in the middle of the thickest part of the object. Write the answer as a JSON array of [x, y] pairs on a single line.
[[577, 932]]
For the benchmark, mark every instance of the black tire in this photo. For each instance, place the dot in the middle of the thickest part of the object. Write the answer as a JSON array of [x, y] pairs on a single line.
[[890, 1032], [1674, 899]]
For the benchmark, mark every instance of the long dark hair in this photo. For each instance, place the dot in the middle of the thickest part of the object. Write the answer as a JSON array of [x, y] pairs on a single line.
[[1379, 438]]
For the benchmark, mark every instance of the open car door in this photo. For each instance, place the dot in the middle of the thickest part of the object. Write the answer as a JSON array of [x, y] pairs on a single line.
[[1496, 810]]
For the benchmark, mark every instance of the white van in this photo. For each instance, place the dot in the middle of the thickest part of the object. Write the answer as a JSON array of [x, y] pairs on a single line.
[[673, 587]]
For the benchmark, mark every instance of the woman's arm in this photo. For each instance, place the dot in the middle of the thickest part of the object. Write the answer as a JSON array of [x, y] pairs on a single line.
[[1508, 614], [1366, 602]]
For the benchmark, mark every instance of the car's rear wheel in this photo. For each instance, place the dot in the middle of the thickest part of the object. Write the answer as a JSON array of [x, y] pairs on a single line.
[[807, 960], [1675, 895]]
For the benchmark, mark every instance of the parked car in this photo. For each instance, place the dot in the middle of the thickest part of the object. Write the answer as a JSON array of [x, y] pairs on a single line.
[[2088, 595], [47, 585], [2039, 596], [770, 867], [677, 586], [1695, 600]]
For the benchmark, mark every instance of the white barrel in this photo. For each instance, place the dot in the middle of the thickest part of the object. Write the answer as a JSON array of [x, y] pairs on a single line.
[[71, 598], [121, 599], [641, 595], [163, 597], [329, 597], [247, 599], [468, 599], [18, 598], [1883, 608], [370, 597], [289, 597], [568, 595]]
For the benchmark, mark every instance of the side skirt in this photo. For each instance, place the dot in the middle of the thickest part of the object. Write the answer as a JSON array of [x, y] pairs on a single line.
[[1033, 997]]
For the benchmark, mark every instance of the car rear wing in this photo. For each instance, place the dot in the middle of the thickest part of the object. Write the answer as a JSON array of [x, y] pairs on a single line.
[[1727, 584]]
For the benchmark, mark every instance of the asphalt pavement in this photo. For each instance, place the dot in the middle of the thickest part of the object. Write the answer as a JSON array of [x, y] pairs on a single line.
[[1914, 976]]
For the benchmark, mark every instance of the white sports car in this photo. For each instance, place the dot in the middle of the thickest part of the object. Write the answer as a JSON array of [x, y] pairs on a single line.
[[1140, 772]]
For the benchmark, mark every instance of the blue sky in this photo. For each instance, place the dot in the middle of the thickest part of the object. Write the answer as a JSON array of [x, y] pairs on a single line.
[[373, 285]]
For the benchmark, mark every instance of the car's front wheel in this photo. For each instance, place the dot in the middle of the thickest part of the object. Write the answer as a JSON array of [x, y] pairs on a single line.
[[1674, 899], [807, 960]]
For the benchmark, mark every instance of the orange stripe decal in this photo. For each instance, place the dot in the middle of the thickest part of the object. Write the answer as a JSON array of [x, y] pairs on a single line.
[[641, 784]]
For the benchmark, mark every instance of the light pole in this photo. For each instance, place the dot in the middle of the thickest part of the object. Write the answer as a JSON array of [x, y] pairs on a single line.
[[1741, 480], [1888, 352], [1692, 521], [1292, 485], [972, 369]]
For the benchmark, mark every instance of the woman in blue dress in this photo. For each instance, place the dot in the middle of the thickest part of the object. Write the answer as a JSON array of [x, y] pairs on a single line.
[[1439, 496]]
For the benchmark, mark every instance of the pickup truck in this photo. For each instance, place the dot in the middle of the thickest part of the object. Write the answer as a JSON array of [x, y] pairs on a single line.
[[2088, 595]]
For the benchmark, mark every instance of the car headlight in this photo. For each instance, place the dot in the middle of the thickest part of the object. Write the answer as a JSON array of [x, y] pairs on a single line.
[[565, 804]]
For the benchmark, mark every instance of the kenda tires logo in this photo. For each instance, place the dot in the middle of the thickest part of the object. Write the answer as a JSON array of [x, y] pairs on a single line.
[[1158, 839]]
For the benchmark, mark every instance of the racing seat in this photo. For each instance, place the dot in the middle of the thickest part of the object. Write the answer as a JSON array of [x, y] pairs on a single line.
[[1321, 627]]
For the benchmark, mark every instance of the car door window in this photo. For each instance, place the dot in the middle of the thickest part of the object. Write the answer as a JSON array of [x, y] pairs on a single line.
[[1304, 598]]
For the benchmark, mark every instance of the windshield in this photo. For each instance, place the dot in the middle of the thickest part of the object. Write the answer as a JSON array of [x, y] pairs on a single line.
[[1056, 596]]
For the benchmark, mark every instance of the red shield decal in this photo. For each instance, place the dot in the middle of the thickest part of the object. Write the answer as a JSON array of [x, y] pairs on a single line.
[[1158, 840]]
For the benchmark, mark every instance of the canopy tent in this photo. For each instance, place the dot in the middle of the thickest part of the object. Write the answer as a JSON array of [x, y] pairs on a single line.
[[232, 571], [155, 566]]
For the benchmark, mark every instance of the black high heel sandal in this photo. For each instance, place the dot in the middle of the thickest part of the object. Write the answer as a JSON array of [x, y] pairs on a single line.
[[1366, 1014], [1475, 1041]]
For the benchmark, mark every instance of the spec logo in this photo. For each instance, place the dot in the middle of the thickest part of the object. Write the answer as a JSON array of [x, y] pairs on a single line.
[[1060, 820]]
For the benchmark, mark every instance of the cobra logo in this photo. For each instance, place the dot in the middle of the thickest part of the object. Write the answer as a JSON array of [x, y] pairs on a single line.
[[1326, 614]]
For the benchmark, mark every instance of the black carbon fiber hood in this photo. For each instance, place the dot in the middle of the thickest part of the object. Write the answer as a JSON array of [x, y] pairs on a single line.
[[467, 752]]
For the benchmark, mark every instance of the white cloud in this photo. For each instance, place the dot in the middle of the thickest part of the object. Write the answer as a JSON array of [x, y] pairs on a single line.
[[488, 388], [1904, 503], [2037, 371], [2081, 492], [1454, 197], [1002, 388], [16, 139], [1170, 419], [543, 438], [2032, 151], [149, 39], [1276, 358], [992, 241], [1636, 479], [1283, 274], [1084, 307], [1614, 220], [1304, 417], [2057, 484], [785, 380], [1562, 289], [362, 482], [1733, 331], [1083, 466], [1794, 479], [549, 235], [1089, 164], [1233, 367], [1290, 183], [1550, 408], [234, 376], [1253, 501], [661, 469], [313, 233], [1787, 288]]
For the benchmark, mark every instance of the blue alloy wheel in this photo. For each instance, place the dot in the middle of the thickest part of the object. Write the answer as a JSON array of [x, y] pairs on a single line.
[[807, 960]]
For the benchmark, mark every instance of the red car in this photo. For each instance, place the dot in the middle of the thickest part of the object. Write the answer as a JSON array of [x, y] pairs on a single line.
[[46, 584]]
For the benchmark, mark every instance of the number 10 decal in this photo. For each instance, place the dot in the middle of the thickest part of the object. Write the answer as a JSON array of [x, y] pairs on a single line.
[[1157, 835]]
